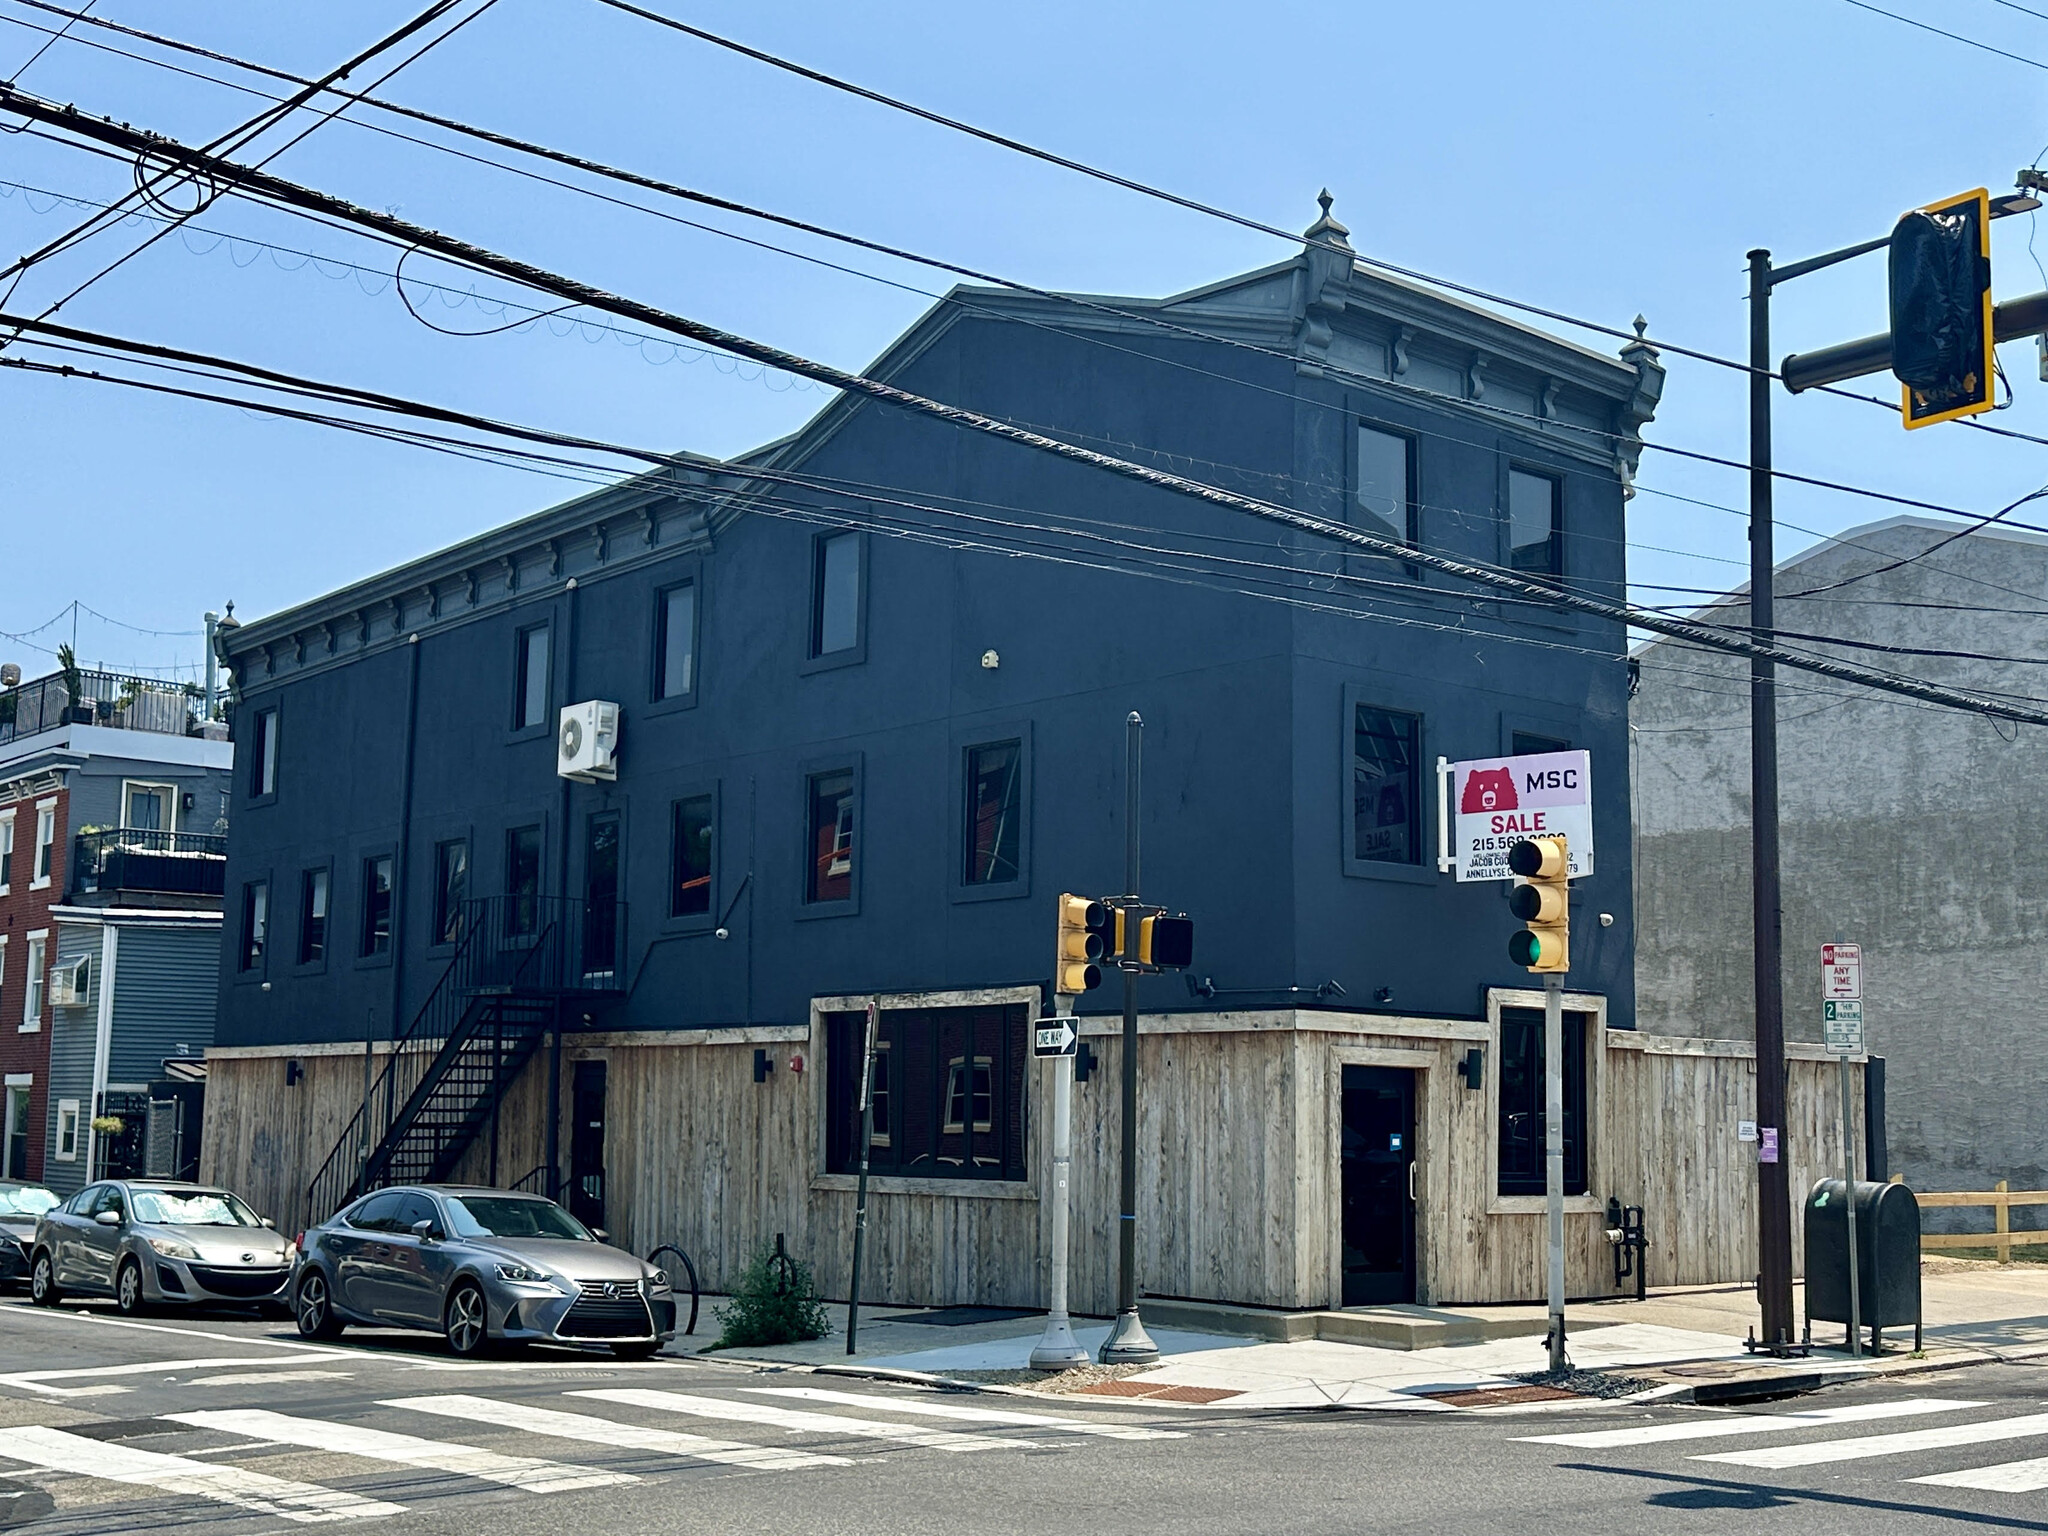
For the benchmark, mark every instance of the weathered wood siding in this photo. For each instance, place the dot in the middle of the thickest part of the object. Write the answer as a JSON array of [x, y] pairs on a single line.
[[1238, 1160]]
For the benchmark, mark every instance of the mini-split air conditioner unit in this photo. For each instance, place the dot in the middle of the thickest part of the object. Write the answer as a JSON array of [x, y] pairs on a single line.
[[587, 742]]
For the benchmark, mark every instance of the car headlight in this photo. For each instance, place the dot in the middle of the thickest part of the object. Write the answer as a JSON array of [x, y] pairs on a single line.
[[657, 1282], [171, 1248], [523, 1274]]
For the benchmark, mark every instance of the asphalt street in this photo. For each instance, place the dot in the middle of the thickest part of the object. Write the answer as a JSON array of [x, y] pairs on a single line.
[[227, 1423]]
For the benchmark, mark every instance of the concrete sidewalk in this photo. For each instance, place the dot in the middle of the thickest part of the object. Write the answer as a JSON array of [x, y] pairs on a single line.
[[1673, 1342]]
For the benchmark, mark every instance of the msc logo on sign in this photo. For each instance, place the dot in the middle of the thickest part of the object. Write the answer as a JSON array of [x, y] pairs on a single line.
[[1489, 789]]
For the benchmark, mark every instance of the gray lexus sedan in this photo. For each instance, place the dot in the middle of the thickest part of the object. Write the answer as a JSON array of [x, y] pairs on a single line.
[[478, 1266], [152, 1241]]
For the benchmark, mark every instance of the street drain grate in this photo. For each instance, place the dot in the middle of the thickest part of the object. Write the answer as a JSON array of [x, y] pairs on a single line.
[[1158, 1392], [1499, 1397]]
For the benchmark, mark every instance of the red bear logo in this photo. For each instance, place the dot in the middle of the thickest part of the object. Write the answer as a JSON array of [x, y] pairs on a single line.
[[1488, 789]]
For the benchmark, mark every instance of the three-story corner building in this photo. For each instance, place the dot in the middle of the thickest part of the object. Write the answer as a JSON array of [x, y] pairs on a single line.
[[870, 691], [113, 823]]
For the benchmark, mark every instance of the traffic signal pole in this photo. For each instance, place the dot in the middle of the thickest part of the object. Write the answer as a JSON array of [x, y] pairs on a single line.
[[1128, 1343], [1774, 1191], [1553, 1158]]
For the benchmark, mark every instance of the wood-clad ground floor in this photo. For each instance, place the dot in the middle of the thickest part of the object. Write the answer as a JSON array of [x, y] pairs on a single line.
[[1296, 1158]]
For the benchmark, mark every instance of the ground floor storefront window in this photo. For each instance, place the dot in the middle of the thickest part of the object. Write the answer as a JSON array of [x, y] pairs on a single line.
[[948, 1092]]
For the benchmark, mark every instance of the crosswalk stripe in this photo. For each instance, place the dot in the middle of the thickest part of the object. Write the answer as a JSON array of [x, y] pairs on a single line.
[[596, 1431], [968, 1415], [1887, 1445], [1749, 1424], [524, 1472], [57, 1451], [2010, 1477], [791, 1418]]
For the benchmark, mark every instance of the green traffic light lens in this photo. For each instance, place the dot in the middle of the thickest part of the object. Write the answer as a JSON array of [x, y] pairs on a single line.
[[1525, 948]]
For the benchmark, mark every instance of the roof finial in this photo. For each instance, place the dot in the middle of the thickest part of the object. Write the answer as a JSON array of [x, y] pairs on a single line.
[[1325, 200], [1642, 328], [1326, 230]]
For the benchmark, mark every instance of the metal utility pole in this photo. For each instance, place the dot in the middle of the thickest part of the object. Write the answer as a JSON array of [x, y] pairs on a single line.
[[1057, 1349], [867, 1143], [1128, 1343], [1774, 1192], [1553, 1158]]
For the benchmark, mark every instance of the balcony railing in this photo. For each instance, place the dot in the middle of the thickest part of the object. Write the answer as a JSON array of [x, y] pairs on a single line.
[[136, 859], [97, 698]]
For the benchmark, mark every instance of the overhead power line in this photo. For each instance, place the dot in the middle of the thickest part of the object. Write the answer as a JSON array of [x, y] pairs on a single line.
[[247, 181]]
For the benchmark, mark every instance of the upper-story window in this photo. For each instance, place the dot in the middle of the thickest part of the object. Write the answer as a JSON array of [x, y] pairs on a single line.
[[1535, 524], [376, 936], [530, 702], [675, 641], [6, 851], [522, 881], [255, 924], [32, 999], [451, 888], [830, 840], [692, 838], [835, 594], [995, 796], [1529, 744], [263, 755], [46, 843], [1386, 485], [1386, 786], [312, 916], [149, 807]]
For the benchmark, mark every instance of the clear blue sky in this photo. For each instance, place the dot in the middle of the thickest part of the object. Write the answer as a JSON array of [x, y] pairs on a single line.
[[1598, 157]]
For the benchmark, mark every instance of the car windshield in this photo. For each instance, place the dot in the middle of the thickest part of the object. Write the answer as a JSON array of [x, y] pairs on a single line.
[[509, 1216], [192, 1208], [25, 1200]]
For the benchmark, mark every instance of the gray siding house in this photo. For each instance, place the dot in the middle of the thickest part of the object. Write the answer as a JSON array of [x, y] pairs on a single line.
[[1906, 828]]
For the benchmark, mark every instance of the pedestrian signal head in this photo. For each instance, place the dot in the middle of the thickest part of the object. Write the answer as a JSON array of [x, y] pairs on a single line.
[[1941, 309], [1166, 942]]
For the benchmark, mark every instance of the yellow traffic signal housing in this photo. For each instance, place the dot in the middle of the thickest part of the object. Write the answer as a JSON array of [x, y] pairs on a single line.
[[1166, 942], [1542, 900], [1941, 309], [1081, 923]]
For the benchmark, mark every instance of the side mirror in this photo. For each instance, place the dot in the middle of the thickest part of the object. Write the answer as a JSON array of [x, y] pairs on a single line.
[[423, 1230], [266, 1221], [108, 1218], [600, 1234]]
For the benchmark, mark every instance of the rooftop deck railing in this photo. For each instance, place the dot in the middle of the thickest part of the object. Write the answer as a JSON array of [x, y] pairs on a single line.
[[97, 698]]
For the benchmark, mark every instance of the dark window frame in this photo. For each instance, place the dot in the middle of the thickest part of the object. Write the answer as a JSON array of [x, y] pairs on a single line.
[[245, 969], [853, 655], [302, 962], [1514, 724], [538, 827], [690, 575], [1518, 1069], [365, 859], [542, 724], [1555, 479], [1411, 522], [964, 745], [437, 912], [1396, 700], [693, 922], [925, 1048], [809, 772], [264, 754]]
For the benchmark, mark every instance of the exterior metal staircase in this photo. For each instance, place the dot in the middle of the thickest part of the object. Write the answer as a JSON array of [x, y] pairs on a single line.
[[444, 1079]]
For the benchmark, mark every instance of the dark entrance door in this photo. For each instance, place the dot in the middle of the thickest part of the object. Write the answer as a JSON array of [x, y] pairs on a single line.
[[1378, 1185], [586, 1145], [601, 895]]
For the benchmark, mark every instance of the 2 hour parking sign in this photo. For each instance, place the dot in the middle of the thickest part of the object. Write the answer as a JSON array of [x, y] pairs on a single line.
[[1495, 802]]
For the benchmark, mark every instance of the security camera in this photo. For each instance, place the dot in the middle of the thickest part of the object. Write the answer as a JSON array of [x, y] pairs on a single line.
[[721, 933]]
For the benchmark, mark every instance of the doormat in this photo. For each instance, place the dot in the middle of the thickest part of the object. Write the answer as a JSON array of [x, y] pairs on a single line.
[[1498, 1397], [957, 1317], [1158, 1392]]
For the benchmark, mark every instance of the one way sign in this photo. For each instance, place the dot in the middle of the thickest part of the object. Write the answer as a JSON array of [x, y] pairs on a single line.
[[1054, 1037]]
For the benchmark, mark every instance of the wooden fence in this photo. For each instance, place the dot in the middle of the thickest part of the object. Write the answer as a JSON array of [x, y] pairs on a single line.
[[2001, 1237]]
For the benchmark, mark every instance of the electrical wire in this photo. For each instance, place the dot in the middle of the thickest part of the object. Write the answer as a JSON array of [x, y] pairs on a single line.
[[1957, 37]]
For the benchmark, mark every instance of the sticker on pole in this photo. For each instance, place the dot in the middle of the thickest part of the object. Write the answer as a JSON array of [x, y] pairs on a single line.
[[1502, 800], [1841, 972], [1841, 1025], [1054, 1037]]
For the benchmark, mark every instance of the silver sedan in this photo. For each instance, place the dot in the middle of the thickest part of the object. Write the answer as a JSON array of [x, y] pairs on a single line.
[[478, 1266], [149, 1242]]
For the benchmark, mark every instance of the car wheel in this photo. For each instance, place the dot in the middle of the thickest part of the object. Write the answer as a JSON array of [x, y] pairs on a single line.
[[128, 1289], [637, 1351], [42, 1282], [314, 1308], [466, 1323]]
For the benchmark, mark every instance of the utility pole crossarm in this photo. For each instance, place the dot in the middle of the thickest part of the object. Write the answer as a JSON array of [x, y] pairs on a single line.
[[227, 176]]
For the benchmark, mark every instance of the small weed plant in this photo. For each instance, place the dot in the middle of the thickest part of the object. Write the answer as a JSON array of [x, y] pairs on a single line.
[[774, 1301]]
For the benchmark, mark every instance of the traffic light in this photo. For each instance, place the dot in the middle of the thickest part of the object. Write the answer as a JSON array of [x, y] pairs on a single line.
[[1542, 900], [1166, 942], [1080, 945], [1941, 309]]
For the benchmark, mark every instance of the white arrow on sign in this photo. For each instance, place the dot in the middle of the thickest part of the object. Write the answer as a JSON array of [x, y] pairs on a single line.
[[1054, 1037]]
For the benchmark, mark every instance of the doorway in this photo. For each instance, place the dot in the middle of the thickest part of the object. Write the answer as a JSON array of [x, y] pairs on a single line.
[[601, 895], [586, 1145], [1378, 1185]]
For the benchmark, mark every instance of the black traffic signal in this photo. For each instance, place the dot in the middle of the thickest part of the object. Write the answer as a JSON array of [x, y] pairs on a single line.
[[1941, 309], [1542, 900], [1167, 943], [1080, 945]]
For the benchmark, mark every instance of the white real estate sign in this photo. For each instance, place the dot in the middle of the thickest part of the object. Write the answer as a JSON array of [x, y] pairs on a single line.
[[1501, 800]]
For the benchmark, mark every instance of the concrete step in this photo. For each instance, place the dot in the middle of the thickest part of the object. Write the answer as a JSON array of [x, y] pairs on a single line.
[[1391, 1327]]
